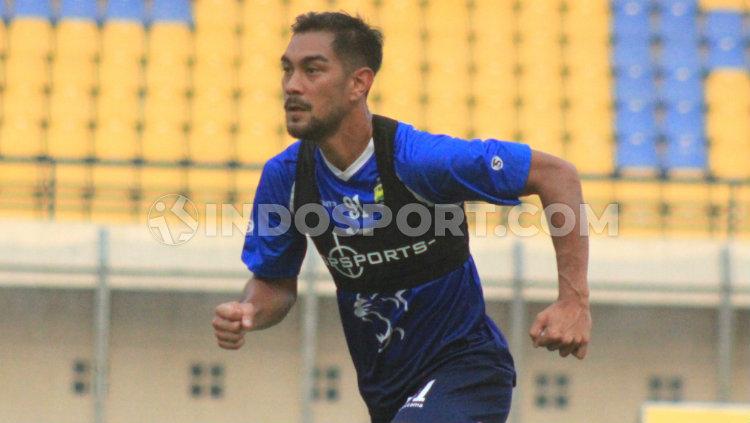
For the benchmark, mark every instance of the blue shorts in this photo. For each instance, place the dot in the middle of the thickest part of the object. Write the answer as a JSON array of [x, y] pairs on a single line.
[[471, 388]]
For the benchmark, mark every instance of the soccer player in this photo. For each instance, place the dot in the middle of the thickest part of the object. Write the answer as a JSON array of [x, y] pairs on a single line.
[[410, 300]]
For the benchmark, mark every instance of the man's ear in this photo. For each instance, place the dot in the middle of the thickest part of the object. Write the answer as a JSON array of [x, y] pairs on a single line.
[[361, 82]]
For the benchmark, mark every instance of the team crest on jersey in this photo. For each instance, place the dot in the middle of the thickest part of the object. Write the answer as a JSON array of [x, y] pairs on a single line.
[[378, 192], [370, 308]]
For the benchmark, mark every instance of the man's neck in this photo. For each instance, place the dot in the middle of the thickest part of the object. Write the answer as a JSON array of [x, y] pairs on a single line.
[[343, 147]]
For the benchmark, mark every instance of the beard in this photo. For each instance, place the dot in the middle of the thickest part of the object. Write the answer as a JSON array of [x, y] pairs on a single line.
[[317, 129]]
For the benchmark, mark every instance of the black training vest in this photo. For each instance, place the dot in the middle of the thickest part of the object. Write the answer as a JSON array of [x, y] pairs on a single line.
[[387, 259]]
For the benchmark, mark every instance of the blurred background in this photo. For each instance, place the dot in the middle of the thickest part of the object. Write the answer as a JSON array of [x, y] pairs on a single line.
[[132, 133]]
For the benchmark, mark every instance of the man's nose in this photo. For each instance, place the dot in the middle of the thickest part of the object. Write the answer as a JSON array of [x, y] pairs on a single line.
[[293, 84]]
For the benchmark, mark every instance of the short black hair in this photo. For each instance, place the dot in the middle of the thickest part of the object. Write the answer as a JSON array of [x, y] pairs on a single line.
[[355, 42]]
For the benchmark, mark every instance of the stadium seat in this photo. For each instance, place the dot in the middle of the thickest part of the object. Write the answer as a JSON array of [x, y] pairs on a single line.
[[710, 5], [76, 39], [263, 34], [725, 161], [161, 108], [678, 20], [640, 208], [157, 182], [24, 190], [215, 77], [23, 9], [216, 14], [210, 142], [634, 51], [742, 213], [72, 191], [115, 104], [125, 10], [21, 138], [635, 84], [246, 181], [678, 89], [631, 19], [83, 10], [261, 128], [681, 56], [167, 76], [22, 103], [164, 142], [29, 75], [591, 152], [116, 140], [213, 107], [115, 190], [211, 186], [728, 88], [216, 46], [73, 74], [599, 195], [70, 140], [688, 209], [636, 153], [726, 39], [364, 8], [123, 41], [30, 38], [170, 42], [171, 11]]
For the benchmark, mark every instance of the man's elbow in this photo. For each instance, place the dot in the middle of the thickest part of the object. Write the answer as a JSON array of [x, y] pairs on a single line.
[[551, 173]]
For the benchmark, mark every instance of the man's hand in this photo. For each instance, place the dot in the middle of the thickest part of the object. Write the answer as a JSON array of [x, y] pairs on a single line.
[[232, 320], [565, 326]]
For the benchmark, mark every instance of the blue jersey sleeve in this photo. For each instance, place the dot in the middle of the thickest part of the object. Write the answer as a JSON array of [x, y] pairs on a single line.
[[273, 247], [444, 170]]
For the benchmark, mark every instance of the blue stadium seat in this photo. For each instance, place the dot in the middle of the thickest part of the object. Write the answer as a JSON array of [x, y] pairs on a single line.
[[637, 150], [32, 8], [128, 10], [686, 152], [635, 84], [727, 52], [678, 87], [632, 51], [684, 119], [3, 12], [678, 19], [636, 117], [723, 23], [172, 11], [631, 18], [79, 9], [681, 54]]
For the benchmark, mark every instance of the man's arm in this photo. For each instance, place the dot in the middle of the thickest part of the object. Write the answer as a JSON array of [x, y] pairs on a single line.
[[566, 324], [264, 304]]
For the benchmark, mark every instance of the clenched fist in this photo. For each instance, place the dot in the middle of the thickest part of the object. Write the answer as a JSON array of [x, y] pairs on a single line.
[[231, 322], [564, 326]]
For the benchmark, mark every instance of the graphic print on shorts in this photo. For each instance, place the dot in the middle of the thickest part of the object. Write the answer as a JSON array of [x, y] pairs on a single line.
[[370, 309], [418, 400]]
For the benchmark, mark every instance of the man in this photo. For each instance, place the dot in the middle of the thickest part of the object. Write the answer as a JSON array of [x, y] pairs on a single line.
[[411, 303]]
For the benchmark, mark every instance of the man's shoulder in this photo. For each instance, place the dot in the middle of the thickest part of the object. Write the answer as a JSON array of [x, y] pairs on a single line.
[[284, 164]]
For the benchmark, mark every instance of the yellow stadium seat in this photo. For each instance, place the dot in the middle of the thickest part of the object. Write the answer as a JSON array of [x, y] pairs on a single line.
[[261, 125], [30, 38], [31, 74], [72, 106], [164, 142], [68, 73], [213, 108], [299, 7], [120, 74], [719, 199], [265, 29], [363, 8], [211, 186], [541, 124], [210, 143], [117, 104], [247, 183], [21, 138], [170, 42], [728, 88], [709, 5], [688, 207], [24, 189], [164, 108], [640, 208], [115, 189], [123, 39], [24, 104], [726, 162], [116, 140], [600, 205], [77, 39], [214, 76], [592, 153], [216, 14], [216, 46], [71, 140], [167, 75], [157, 182], [73, 191]]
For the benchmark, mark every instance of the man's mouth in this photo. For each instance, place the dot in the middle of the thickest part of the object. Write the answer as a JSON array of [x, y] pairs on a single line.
[[296, 107]]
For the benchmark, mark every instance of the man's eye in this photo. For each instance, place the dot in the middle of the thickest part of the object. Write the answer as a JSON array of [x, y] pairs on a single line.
[[312, 70]]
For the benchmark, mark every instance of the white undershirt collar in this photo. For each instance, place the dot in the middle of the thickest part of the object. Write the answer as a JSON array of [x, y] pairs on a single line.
[[353, 168]]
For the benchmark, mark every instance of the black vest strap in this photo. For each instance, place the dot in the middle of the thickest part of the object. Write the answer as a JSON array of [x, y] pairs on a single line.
[[388, 259]]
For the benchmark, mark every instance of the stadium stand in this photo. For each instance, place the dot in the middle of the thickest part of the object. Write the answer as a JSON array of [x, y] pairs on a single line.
[[103, 112]]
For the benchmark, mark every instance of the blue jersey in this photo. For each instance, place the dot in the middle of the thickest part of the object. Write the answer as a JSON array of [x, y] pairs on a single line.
[[394, 337]]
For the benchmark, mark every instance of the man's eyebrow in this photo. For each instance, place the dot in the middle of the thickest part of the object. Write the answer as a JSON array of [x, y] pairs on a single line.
[[307, 59]]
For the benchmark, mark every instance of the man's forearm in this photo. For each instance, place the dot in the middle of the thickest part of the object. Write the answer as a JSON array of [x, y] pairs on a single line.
[[571, 244], [271, 300]]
